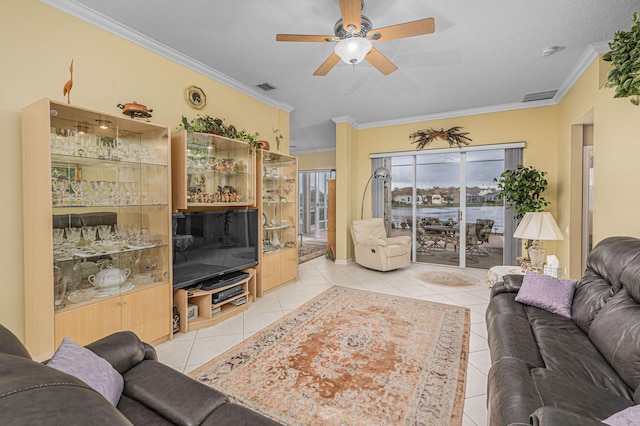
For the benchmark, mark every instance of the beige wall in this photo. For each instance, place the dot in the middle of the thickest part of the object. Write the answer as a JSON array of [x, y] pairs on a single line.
[[38, 43], [535, 126], [550, 146], [325, 160]]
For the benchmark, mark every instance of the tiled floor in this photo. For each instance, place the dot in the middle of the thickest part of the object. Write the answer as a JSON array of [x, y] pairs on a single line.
[[188, 351]]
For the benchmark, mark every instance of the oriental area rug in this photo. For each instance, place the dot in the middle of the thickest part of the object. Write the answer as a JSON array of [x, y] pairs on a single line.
[[352, 357], [310, 250]]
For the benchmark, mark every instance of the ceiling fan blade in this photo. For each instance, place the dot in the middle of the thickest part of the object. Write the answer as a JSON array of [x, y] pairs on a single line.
[[380, 62], [305, 37], [408, 29], [327, 65], [351, 11]]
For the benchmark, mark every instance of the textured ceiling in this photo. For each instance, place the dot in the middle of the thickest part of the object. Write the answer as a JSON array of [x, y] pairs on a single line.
[[482, 56]]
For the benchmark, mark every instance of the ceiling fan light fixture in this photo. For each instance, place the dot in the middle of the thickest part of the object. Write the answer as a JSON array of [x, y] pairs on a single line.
[[353, 50]]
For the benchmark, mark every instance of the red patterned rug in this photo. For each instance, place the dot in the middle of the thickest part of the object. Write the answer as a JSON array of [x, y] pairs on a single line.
[[352, 357]]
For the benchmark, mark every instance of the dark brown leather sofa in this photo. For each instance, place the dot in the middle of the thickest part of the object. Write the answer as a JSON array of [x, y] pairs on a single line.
[[550, 370], [154, 394]]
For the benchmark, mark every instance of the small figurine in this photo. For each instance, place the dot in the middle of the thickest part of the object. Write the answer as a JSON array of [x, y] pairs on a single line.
[[66, 90]]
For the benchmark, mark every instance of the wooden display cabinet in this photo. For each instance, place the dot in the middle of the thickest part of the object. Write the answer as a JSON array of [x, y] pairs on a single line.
[[211, 171], [278, 186], [96, 191]]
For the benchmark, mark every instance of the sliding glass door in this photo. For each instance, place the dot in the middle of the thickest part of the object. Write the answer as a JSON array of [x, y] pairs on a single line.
[[313, 190], [448, 202]]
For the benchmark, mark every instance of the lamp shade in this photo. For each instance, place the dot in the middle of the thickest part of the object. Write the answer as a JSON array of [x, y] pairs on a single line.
[[382, 173], [538, 226], [352, 50]]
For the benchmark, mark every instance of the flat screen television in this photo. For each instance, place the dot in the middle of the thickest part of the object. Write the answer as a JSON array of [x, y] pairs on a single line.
[[213, 243]]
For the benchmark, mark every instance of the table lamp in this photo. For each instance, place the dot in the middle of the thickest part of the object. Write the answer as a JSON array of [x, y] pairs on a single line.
[[538, 226]]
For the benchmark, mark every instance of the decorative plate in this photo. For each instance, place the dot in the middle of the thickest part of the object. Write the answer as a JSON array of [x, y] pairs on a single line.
[[196, 97]]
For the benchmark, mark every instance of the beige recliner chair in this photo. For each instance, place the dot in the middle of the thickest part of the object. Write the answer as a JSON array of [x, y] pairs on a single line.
[[374, 250]]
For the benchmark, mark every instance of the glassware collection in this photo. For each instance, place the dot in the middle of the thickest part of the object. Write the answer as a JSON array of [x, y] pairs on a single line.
[[101, 260]]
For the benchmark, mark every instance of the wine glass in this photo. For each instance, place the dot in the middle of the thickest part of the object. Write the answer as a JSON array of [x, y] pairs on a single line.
[[76, 187], [73, 235], [89, 233], [104, 232]]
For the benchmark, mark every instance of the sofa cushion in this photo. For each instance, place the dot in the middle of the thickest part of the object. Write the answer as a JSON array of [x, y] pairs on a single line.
[[546, 292], [512, 395], [576, 395], [565, 349], [96, 372], [510, 334], [9, 344], [616, 333], [237, 415], [627, 417], [174, 396], [592, 292]]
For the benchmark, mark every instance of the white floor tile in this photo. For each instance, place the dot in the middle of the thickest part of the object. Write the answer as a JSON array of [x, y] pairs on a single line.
[[476, 409], [477, 343], [257, 321], [174, 353], [476, 382], [206, 349], [234, 325], [481, 360]]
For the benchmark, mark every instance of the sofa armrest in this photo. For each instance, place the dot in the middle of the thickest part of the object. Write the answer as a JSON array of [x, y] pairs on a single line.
[[402, 240], [510, 283], [123, 350], [548, 415]]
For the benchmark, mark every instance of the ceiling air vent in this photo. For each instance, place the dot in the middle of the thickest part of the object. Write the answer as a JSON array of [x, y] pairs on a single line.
[[266, 86], [539, 96]]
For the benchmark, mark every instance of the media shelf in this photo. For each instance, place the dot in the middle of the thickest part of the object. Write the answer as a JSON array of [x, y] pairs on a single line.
[[182, 298]]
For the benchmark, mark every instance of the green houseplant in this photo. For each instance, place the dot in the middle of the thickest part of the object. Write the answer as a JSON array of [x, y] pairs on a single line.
[[625, 59], [522, 189], [217, 126]]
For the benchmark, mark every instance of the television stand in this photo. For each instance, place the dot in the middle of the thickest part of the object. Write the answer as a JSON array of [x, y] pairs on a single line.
[[210, 313]]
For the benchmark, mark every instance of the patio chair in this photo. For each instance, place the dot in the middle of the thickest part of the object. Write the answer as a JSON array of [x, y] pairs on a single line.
[[483, 231], [428, 239]]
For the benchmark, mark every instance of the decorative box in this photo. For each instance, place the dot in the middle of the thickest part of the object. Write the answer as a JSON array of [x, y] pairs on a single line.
[[554, 271], [192, 312]]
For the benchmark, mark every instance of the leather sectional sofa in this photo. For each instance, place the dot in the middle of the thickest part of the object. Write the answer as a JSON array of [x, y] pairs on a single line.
[[154, 394], [551, 370]]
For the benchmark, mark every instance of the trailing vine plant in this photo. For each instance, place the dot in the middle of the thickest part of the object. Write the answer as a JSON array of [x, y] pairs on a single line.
[[625, 59], [217, 126], [453, 136], [522, 189]]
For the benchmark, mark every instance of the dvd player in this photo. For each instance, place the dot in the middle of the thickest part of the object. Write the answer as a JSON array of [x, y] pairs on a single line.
[[224, 280], [223, 295]]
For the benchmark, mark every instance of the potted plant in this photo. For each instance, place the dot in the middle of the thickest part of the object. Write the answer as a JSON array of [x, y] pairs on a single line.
[[625, 59], [217, 126], [522, 189]]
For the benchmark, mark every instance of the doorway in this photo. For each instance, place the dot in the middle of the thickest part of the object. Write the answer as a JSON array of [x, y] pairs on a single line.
[[448, 202], [313, 205]]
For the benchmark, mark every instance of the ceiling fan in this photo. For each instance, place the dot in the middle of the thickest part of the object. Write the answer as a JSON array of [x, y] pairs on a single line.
[[354, 36]]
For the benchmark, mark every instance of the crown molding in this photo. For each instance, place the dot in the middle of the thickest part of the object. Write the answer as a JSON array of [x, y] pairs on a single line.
[[590, 54], [345, 119], [587, 58], [99, 20], [458, 113]]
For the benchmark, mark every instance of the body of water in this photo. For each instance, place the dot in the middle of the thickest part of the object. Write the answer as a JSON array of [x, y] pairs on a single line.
[[496, 213]]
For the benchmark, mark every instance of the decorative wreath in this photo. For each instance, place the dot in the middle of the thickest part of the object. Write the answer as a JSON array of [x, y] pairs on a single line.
[[453, 136]]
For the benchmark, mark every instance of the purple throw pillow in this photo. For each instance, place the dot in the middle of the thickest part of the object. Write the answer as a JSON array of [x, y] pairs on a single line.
[[548, 293], [627, 417], [95, 371]]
